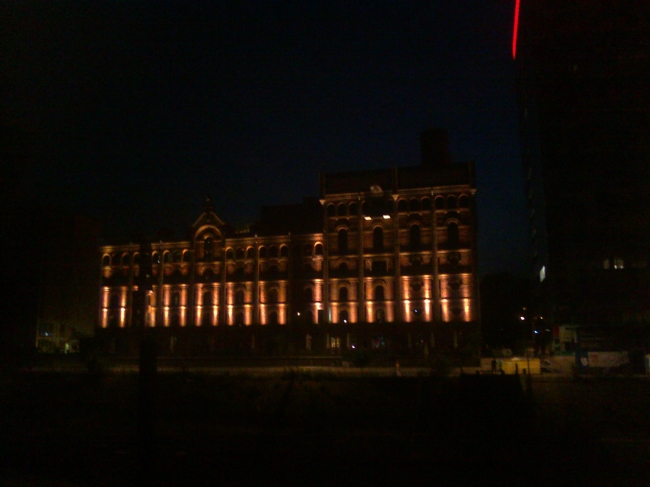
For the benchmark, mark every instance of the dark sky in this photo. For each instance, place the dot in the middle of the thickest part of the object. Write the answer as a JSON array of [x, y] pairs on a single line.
[[141, 109]]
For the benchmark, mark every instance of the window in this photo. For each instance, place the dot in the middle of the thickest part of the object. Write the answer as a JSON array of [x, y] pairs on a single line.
[[207, 298], [619, 263], [452, 234], [115, 301], [273, 251], [354, 208], [272, 296], [207, 248], [115, 260], [309, 295], [240, 254], [239, 297], [177, 256], [284, 251], [125, 259], [342, 209], [155, 258], [451, 202], [426, 204], [319, 249], [379, 267], [331, 210], [440, 203], [463, 201], [206, 318], [239, 319], [250, 253], [402, 206], [343, 318], [414, 205], [262, 252], [176, 299], [136, 259], [230, 254], [186, 257], [106, 261], [414, 237], [343, 267], [343, 294], [343, 241], [378, 239], [379, 293], [380, 316], [273, 318]]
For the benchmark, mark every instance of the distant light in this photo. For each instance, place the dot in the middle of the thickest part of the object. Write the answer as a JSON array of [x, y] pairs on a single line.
[[536, 332], [515, 31], [386, 217], [542, 274], [522, 318], [352, 346], [367, 218], [345, 321], [298, 313]]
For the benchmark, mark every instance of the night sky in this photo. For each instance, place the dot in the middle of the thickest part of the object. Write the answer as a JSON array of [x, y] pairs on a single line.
[[139, 110]]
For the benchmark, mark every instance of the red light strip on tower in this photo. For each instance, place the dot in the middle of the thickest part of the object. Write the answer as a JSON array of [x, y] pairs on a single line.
[[514, 31]]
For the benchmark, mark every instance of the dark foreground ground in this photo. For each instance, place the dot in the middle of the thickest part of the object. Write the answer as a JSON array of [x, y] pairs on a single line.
[[92, 430]]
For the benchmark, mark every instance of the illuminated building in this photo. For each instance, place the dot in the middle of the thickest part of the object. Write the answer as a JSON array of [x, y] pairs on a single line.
[[584, 103], [378, 250]]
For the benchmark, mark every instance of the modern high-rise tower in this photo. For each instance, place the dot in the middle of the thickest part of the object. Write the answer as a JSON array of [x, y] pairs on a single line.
[[584, 97]]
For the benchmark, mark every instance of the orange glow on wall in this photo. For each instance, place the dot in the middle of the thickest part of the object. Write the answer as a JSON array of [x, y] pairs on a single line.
[[122, 316], [104, 318], [427, 310], [515, 30]]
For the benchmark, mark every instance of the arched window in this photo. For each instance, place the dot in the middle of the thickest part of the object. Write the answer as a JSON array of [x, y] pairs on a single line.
[[116, 259], [125, 259], [378, 239], [343, 316], [155, 258], [342, 209], [414, 237], [463, 201], [272, 296], [262, 252], [273, 251], [343, 267], [207, 298], [137, 259], [440, 203], [309, 295], [240, 254], [273, 318], [176, 299], [115, 301], [452, 234], [250, 253], [451, 202], [331, 210], [379, 293], [177, 256], [414, 205], [186, 256], [284, 251], [239, 297], [319, 249], [353, 209], [106, 261], [343, 294], [230, 254], [343, 241]]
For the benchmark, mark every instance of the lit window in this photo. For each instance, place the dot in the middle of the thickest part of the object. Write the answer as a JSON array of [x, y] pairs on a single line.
[[618, 263]]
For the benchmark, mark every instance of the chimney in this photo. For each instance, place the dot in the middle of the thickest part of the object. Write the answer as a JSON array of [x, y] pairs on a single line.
[[435, 147]]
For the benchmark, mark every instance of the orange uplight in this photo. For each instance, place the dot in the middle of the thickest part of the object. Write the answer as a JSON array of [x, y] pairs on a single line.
[[514, 31]]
